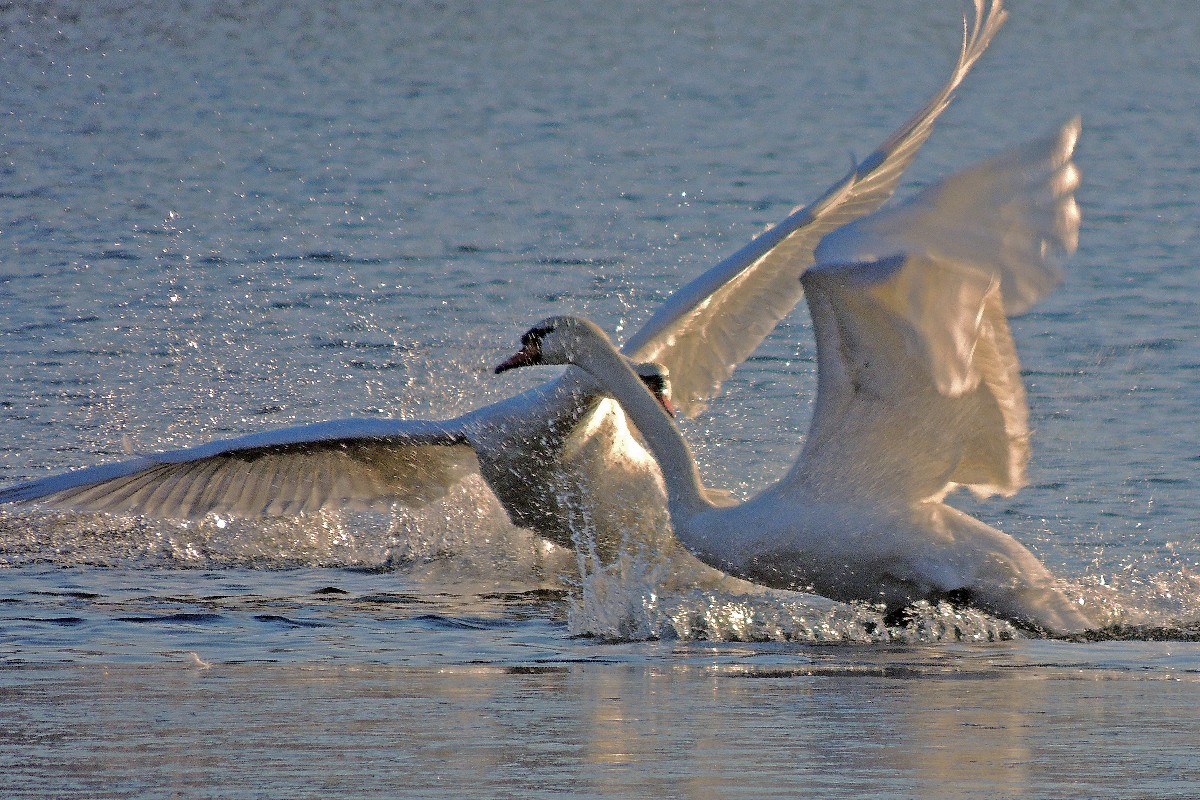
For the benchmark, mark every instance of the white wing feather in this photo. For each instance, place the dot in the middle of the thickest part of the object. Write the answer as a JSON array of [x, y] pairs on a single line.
[[357, 464], [709, 326], [919, 386], [1013, 216]]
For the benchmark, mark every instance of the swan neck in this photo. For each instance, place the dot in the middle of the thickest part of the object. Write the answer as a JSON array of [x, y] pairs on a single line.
[[685, 492]]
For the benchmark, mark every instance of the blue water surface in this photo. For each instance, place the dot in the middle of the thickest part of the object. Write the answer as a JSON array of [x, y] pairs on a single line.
[[219, 220]]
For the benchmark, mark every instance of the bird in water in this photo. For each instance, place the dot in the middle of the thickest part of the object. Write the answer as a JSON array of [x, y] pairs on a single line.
[[554, 455], [918, 392]]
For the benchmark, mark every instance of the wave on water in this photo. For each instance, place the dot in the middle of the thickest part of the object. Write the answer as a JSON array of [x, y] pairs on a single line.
[[651, 591]]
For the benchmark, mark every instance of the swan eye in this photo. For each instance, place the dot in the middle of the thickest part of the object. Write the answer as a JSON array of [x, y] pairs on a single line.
[[654, 383], [534, 335]]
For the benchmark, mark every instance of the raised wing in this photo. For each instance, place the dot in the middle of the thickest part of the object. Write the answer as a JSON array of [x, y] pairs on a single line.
[[358, 464], [1013, 216], [919, 386], [708, 327]]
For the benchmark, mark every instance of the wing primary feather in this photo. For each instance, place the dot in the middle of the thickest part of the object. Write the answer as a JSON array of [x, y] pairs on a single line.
[[201, 474], [276, 472], [290, 481]]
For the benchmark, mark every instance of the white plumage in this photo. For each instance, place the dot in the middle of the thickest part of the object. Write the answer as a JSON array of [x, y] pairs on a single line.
[[919, 390]]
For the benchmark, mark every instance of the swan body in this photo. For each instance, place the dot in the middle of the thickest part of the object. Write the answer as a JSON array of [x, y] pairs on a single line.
[[919, 391], [551, 454]]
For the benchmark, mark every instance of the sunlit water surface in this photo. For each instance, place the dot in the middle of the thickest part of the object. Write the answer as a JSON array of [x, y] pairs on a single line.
[[214, 222]]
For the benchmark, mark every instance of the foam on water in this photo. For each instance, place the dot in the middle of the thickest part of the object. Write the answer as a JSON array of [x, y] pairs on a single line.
[[653, 590], [641, 597]]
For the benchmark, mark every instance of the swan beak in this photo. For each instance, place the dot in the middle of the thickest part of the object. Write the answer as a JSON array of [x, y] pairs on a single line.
[[666, 404], [527, 356]]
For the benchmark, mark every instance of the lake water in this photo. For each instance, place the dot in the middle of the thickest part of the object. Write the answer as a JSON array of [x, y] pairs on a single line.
[[216, 221]]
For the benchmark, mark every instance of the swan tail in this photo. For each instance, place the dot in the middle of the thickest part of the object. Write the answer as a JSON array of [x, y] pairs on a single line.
[[1000, 575]]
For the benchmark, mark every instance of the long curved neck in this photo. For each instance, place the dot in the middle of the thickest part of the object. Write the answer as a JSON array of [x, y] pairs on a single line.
[[685, 492]]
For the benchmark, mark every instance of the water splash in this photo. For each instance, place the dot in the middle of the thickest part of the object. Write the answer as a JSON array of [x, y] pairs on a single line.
[[651, 590], [611, 607], [654, 589], [467, 527]]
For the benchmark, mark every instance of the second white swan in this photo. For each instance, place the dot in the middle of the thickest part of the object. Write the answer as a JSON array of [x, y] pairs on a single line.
[[919, 391]]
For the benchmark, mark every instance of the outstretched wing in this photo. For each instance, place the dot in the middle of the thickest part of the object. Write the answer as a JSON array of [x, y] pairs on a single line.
[[919, 386], [708, 327], [1013, 216], [358, 464]]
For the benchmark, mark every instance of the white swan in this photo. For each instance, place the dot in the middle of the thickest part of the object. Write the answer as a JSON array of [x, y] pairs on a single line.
[[550, 454], [919, 391]]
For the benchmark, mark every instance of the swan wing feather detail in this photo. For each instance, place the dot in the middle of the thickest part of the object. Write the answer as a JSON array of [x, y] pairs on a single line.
[[1013, 216], [919, 386], [357, 464], [709, 326]]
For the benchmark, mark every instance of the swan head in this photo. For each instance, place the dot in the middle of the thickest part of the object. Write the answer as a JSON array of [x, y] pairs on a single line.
[[564, 340], [554, 340], [658, 381]]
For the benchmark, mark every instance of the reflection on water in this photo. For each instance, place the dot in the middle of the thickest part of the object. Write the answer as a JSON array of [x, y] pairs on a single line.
[[683, 722], [305, 683]]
